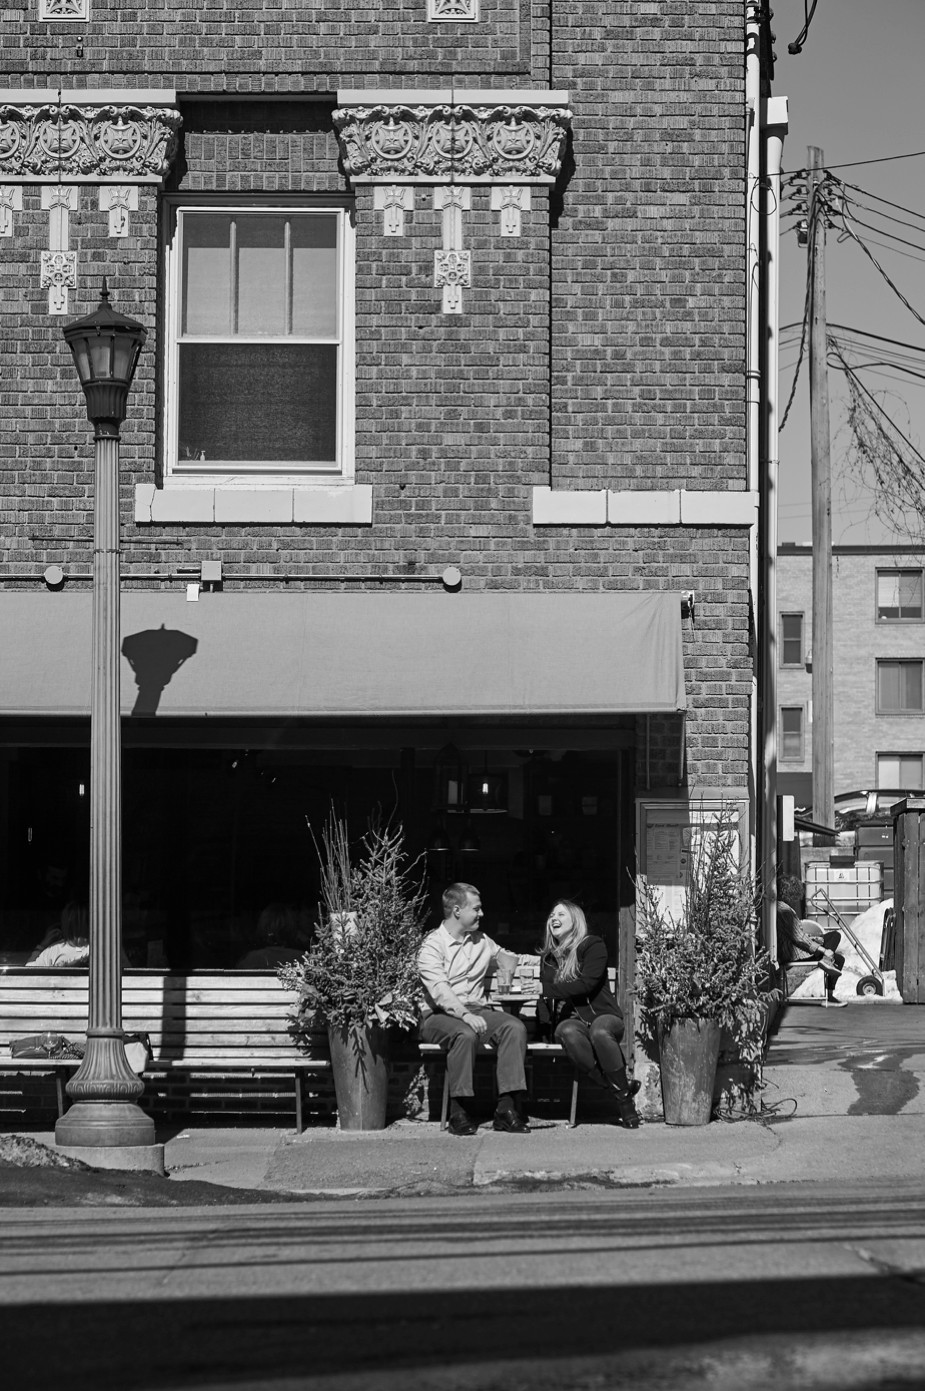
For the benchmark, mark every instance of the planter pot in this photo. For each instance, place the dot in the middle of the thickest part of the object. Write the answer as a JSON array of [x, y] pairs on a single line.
[[689, 1052], [359, 1063]]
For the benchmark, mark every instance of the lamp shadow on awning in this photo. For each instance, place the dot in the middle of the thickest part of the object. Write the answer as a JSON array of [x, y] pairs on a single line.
[[155, 656]]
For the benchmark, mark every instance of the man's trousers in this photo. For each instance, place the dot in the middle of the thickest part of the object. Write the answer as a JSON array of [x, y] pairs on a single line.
[[507, 1035]]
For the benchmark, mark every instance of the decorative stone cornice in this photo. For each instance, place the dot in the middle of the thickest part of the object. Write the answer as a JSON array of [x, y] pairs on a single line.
[[443, 137], [86, 143]]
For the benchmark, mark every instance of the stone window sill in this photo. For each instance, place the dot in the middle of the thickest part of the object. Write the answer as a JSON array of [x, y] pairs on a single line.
[[341, 505]]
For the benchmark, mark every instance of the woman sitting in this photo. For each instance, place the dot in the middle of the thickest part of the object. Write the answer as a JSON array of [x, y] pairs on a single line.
[[799, 954], [579, 1009]]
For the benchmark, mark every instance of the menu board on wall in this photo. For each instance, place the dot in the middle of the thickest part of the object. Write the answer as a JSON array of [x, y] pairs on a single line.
[[668, 832]]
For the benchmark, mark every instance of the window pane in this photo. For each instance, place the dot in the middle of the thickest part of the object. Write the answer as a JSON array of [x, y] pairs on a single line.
[[314, 277], [242, 402], [899, 770], [899, 594], [261, 275], [792, 639], [791, 721], [899, 686], [911, 685], [206, 274], [887, 594], [888, 680], [910, 770], [910, 594]]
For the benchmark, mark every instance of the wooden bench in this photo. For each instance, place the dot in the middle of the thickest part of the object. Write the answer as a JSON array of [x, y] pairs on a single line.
[[528, 977], [224, 1022]]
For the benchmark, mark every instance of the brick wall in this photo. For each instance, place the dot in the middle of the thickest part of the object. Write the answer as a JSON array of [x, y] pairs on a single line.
[[603, 348]]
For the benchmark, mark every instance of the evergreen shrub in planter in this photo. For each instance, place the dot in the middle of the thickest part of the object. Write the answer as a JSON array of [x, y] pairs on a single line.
[[701, 973], [359, 977]]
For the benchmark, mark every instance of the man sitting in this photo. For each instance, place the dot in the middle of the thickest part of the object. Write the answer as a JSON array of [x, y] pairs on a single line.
[[457, 961]]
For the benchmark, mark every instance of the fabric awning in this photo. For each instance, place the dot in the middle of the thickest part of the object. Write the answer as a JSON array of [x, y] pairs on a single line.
[[348, 654]]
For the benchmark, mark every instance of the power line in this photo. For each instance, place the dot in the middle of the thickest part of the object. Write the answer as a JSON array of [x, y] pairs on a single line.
[[888, 217], [796, 375], [870, 255], [885, 159], [885, 232], [907, 255], [897, 343], [900, 207], [856, 381]]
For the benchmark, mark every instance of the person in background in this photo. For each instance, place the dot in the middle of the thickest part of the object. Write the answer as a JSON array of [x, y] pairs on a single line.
[[456, 963], [798, 952], [278, 933], [71, 945], [577, 1006]]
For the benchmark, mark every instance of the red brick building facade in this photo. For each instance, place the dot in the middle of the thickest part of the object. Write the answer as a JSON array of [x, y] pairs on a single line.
[[446, 312]]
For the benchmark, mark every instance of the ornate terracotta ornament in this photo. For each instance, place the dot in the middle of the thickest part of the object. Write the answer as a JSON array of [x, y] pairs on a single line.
[[444, 142], [87, 142]]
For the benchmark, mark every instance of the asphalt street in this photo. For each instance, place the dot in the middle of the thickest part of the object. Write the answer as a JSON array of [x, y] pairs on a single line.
[[795, 1286]]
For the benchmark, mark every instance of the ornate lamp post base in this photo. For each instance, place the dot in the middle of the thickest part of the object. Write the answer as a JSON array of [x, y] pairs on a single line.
[[105, 1119]]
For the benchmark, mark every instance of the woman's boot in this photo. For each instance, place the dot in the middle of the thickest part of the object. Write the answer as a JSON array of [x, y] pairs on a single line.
[[624, 1090]]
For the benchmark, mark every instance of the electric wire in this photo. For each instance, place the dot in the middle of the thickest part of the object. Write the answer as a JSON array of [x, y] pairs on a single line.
[[808, 11], [849, 372], [872, 258], [885, 232], [884, 159], [802, 352], [868, 193]]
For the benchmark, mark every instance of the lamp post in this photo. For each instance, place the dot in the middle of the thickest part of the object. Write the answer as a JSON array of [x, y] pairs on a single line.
[[105, 1117]]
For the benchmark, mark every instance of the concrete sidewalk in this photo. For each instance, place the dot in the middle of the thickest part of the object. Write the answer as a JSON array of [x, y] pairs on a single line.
[[414, 1157], [844, 1099]]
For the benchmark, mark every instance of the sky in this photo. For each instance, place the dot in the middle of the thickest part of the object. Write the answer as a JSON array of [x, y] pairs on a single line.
[[856, 91]]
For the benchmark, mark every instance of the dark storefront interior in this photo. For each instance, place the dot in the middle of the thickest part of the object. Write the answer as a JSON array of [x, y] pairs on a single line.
[[216, 821]]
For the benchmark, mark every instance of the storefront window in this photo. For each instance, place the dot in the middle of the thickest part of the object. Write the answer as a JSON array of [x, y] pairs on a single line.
[[219, 870]]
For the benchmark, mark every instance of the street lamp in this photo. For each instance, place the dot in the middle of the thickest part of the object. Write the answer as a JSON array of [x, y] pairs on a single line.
[[105, 1117]]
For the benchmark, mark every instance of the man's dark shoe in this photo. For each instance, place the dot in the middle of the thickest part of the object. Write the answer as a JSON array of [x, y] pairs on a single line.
[[461, 1124], [511, 1122]]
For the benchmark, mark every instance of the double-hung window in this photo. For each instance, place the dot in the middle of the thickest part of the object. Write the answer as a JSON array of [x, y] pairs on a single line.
[[899, 596], [791, 733], [900, 687], [791, 639], [900, 770], [260, 345]]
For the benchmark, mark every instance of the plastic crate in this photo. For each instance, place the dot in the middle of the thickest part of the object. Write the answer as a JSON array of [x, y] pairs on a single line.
[[851, 888]]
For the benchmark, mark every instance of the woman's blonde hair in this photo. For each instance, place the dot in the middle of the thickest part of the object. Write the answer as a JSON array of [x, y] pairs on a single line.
[[565, 951]]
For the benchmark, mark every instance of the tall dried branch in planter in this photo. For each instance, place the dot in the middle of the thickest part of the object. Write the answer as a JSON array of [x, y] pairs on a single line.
[[706, 963], [361, 968]]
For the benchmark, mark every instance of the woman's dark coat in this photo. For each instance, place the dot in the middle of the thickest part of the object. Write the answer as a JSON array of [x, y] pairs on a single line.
[[587, 995]]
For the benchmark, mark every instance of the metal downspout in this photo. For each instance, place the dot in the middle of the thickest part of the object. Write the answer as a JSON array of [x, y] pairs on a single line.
[[752, 375], [774, 127]]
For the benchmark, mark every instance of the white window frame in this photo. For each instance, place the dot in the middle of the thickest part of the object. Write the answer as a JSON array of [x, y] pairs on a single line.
[[260, 476]]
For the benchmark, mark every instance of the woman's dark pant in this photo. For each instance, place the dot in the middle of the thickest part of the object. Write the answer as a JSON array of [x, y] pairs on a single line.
[[830, 941], [594, 1048]]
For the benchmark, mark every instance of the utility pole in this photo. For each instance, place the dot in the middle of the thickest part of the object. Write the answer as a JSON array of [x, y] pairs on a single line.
[[823, 721]]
